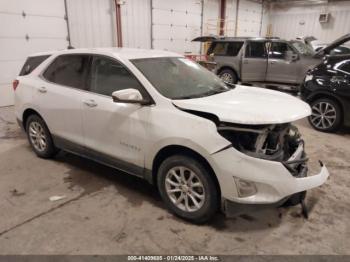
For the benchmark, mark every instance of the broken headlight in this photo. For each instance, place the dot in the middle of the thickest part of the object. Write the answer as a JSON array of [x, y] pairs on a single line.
[[272, 142]]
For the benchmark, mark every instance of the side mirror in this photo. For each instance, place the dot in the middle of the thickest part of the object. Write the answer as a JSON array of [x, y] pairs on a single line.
[[291, 56], [130, 95]]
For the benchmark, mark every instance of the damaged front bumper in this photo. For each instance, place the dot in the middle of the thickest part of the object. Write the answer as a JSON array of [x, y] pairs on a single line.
[[274, 181]]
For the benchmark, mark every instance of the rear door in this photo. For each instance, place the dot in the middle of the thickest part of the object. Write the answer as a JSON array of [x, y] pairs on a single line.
[[254, 61], [59, 96], [281, 68]]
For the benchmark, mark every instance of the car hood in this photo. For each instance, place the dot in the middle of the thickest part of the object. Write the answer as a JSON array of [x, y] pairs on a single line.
[[249, 105], [334, 44]]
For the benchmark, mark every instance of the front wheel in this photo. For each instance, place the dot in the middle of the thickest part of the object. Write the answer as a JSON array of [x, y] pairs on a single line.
[[187, 188], [326, 115]]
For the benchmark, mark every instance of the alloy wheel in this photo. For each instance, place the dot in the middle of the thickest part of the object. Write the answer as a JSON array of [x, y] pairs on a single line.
[[185, 189], [37, 136], [323, 115], [226, 77]]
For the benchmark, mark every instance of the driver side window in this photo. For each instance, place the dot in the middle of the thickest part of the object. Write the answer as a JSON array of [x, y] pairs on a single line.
[[278, 50], [107, 76]]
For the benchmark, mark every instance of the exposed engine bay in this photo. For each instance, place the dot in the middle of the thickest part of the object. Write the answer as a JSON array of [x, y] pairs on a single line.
[[271, 142], [277, 142]]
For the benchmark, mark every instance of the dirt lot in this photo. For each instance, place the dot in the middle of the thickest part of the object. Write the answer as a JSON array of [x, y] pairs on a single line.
[[109, 212]]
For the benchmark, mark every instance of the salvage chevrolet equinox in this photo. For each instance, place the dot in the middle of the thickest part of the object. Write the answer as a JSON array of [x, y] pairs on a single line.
[[205, 144]]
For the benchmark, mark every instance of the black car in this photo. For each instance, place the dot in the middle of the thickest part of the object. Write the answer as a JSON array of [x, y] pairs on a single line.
[[327, 89]]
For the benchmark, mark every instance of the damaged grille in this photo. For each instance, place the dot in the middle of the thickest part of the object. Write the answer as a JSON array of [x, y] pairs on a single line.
[[272, 142]]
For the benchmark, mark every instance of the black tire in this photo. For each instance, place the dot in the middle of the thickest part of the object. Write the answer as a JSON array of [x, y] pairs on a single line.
[[49, 150], [210, 204], [229, 73], [338, 115]]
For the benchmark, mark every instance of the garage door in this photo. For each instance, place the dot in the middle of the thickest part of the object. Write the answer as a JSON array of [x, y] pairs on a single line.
[[175, 24], [27, 26], [249, 18]]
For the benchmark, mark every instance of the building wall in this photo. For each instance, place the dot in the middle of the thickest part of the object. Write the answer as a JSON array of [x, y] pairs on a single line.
[[91, 23], [211, 13], [293, 21], [175, 24], [136, 23], [249, 18], [27, 27], [159, 24], [230, 18], [249, 21]]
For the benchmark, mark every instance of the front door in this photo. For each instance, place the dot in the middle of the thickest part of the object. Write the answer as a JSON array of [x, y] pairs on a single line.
[[281, 68], [254, 62], [114, 132]]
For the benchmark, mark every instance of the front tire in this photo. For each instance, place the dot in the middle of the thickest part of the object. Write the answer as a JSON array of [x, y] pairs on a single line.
[[39, 137], [326, 115], [187, 188]]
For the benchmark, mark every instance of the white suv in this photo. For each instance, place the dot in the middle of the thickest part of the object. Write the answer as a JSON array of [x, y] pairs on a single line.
[[157, 115]]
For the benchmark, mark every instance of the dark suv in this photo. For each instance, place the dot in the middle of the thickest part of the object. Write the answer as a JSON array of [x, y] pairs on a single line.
[[327, 89]]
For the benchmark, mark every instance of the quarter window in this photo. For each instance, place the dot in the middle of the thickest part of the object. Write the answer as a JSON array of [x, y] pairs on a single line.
[[278, 50], [68, 70], [255, 50], [32, 63], [107, 76]]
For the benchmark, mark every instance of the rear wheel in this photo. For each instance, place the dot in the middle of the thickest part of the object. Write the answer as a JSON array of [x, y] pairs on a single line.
[[39, 137], [326, 115], [187, 188], [228, 76]]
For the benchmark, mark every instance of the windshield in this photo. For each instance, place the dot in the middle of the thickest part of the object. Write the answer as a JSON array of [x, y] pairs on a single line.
[[180, 78], [303, 49]]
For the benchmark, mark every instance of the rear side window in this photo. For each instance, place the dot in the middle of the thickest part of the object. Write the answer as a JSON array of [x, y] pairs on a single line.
[[255, 50], [107, 76], [225, 48], [32, 63], [69, 70]]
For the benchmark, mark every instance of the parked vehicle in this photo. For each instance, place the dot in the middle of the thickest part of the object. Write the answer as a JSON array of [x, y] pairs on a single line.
[[271, 61], [317, 45], [157, 115], [327, 89]]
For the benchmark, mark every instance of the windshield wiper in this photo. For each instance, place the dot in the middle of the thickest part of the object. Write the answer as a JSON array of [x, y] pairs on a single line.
[[208, 93], [213, 92]]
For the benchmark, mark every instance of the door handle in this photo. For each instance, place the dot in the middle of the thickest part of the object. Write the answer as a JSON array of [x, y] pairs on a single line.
[[90, 103], [272, 62], [42, 89], [245, 61]]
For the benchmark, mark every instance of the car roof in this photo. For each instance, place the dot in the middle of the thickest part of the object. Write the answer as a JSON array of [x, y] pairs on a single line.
[[123, 53], [226, 39], [46, 53]]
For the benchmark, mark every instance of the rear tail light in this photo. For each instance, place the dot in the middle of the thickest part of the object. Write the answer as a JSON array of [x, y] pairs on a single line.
[[15, 84]]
